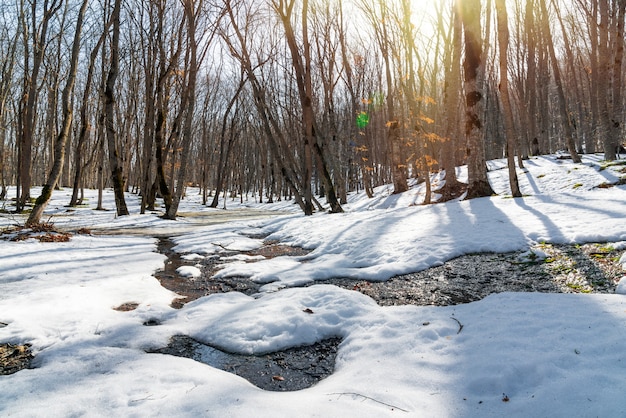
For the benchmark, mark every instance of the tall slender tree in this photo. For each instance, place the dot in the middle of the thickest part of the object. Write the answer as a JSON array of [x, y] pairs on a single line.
[[473, 67], [115, 164], [30, 92], [188, 101], [556, 73], [68, 114], [302, 64], [450, 108], [509, 121]]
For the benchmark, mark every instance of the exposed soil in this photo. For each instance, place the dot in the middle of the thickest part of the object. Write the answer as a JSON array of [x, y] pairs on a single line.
[[43, 232], [589, 268], [14, 358], [292, 369], [191, 289]]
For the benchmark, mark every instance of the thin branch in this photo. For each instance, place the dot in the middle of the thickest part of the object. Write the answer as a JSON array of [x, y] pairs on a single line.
[[371, 399], [458, 322]]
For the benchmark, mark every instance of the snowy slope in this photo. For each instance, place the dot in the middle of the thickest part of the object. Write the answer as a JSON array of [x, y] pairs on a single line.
[[516, 355]]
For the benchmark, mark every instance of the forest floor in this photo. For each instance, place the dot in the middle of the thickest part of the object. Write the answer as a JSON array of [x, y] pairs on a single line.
[[547, 268], [589, 268]]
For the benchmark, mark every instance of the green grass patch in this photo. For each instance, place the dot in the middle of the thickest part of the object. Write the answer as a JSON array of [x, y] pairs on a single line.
[[578, 288]]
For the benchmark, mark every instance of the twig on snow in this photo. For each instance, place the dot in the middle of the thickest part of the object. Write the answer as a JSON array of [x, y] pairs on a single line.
[[224, 247], [458, 322], [371, 399]]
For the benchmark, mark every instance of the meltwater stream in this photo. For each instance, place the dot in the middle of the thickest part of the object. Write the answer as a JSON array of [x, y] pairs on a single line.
[[287, 370]]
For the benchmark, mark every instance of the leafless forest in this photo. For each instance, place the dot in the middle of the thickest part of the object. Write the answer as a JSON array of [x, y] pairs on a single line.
[[285, 99]]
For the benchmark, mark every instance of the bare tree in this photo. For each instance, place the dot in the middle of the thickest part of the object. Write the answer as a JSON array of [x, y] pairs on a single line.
[[237, 43], [473, 66], [192, 11], [378, 15], [556, 72], [450, 108], [7, 67], [61, 140], [84, 118], [226, 144], [28, 105], [357, 120], [509, 122], [617, 76], [301, 61], [117, 175]]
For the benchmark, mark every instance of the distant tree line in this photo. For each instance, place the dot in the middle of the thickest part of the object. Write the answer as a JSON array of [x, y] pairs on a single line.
[[285, 99]]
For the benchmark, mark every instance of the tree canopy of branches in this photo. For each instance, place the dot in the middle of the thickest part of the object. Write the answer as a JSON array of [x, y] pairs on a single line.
[[299, 99]]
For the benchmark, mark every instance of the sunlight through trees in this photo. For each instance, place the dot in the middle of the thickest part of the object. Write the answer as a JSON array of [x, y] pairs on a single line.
[[300, 99]]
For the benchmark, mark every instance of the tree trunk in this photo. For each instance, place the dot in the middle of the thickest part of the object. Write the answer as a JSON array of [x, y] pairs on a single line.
[[509, 125], [617, 75], [603, 93], [61, 141], [473, 66], [225, 146], [28, 111], [361, 121], [188, 102], [567, 124], [6, 81], [302, 66], [530, 98], [284, 161], [117, 175], [149, 47], [84, 120], [451, 91], [576, 91]]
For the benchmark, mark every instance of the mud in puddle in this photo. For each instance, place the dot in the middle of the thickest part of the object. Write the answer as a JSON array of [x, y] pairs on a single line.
[[191, 289], [590, 268], [287, 370]]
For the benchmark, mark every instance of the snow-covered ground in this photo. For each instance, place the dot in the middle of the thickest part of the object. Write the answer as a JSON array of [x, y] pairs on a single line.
[[516, 355]]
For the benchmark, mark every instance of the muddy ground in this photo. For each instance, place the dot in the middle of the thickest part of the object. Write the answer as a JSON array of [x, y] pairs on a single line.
[[589, 268]]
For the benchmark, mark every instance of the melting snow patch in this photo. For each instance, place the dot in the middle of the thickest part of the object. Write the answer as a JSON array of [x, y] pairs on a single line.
[[533, 255], [189, 271], [192, 257]]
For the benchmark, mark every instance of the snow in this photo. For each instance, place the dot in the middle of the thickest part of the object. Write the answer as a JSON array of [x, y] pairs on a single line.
[[514, 354], [189, 271]]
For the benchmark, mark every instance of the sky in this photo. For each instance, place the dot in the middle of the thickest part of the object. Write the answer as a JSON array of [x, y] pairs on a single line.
[[517, 354]]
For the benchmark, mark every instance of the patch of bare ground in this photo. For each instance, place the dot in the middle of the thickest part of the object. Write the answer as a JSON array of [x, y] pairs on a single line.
[[589, 268], [126, 307], [43, 232], [14, 358], [272, 249], [192, 289], [287, 370]]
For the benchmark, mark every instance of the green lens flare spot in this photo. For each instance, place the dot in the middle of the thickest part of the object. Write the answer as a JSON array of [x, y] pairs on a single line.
[[362, 120]]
